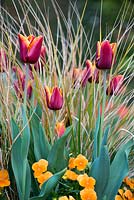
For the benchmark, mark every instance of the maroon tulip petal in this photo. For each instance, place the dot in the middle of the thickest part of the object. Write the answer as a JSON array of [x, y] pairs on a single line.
[[56, 100], [34, 50], [24, 43]]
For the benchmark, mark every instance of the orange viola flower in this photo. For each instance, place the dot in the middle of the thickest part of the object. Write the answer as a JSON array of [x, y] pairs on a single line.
[[60, 128], [129, 182], [80, 162], [70, 175], [44, 177], [4, 178], [54, 98], [39, 167], [105, 54], [86, 181], [30, 48], [71, 164], [88, 194]]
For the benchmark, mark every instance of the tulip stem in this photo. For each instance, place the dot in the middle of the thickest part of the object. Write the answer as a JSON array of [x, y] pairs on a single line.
[[26, 82], [103, 109]]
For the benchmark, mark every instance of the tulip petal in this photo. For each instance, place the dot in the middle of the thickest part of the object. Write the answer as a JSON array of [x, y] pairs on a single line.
[[34, 50], [106, 56], [24, 43], [56, 100]]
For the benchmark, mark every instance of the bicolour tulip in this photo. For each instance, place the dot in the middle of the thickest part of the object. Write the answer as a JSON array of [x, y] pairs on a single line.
[[19, 83], [60, 128], [39, 64], [86, 73], [3, 60], [30, 48], [54, 98], [115, 85], [94, 76], [105, 54]]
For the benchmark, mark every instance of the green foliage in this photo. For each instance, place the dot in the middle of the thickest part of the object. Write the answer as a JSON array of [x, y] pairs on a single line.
[[57, 158], [48, 186], [40, 140], [110, 176], [19, 155]]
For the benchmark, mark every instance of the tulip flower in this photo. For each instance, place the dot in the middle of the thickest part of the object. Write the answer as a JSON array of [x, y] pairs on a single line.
[[105, 55], [30, 48], [42, 57], [115, 85], [60, 128], [86, 73], [19, 84], [3, 60], [54, 98], [94, 76]]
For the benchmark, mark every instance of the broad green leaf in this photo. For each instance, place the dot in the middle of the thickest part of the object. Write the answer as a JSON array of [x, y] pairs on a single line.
[[118, 170], [57, 159], [95, 147], [41, 144], [26, 175], [100, 169], [48, 186], [16, 159]]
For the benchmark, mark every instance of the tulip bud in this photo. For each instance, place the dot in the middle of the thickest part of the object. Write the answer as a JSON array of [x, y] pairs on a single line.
[[54, 98], [30, 48], [60, 128], [105, 54], [115, 85]]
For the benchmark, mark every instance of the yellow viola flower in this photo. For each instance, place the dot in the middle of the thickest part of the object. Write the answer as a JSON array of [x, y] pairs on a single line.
[[4, 178], [88, 194], [70, 175], [71, 164], [128, 194], [86, 181], [129, 182], [44, 177], [80, 162], [39, 167]]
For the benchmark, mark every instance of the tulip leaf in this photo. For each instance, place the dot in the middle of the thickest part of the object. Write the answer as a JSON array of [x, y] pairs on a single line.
[[19, 155], [57, 158], [118, 170], [49, 185], [15, 156], [96, 132], [41, 144], [100, 169]]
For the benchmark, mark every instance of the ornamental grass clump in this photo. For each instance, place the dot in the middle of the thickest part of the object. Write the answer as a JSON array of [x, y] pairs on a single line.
[[66, 106]]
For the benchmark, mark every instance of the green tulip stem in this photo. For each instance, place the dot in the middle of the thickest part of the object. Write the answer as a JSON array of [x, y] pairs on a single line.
[[103, 108], [26, 82]]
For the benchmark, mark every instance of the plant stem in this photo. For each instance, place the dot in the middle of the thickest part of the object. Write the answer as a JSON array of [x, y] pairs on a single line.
[[26, 82], [103, 109]]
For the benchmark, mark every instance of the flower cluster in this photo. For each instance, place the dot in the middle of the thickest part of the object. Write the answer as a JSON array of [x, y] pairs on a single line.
[[40, 171], [76, 172], [127, 191]]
